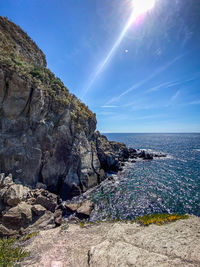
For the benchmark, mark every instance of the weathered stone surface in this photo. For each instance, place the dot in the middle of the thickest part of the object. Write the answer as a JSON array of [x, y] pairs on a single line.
[[15, 194], [110, 152], [38, 209], [18, 216], [85, 208], [72, 206], [41, 186], [58, 217], [47, 200], [118, 244], [4, 231]]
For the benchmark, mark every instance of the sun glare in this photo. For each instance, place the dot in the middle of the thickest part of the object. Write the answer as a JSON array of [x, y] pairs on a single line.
[[142, 6]]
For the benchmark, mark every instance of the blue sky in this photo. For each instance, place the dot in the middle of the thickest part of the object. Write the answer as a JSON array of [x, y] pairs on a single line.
[[151, 81]]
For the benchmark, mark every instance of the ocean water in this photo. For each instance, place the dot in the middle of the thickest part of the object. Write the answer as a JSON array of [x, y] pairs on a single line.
[[169, 184]]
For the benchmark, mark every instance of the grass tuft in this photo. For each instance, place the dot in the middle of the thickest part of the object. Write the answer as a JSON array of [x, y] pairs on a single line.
[[82, 223], [159, 219], [29, 236]]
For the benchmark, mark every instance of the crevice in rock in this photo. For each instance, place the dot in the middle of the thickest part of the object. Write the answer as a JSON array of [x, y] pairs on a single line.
[[89, 258], [5, 89], [28, 103], [92, 164]]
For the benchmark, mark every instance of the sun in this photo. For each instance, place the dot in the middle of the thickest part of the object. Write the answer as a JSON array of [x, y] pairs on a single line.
[[142, 6]]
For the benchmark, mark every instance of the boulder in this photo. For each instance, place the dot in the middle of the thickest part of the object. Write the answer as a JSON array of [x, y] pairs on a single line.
[[38, 209], [18, 216], [58, 217], [41, 186], [15, 194], [72, 206], [5, 181], [4, 231], [85, 209], [47, 200]]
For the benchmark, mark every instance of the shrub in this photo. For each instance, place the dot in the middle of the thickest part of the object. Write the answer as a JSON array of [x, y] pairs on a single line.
[[10, 253]]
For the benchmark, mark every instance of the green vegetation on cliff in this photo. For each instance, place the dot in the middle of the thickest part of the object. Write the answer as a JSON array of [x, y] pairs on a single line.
[[20, 54]]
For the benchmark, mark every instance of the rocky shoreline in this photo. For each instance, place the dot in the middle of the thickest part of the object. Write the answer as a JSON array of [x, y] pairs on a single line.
[[24, 209]]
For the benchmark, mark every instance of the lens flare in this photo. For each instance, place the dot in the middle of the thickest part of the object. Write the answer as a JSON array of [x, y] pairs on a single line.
[[139, 7], [142, 6]]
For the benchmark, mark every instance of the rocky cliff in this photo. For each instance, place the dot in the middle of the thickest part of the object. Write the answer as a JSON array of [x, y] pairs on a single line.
[[46, 134]]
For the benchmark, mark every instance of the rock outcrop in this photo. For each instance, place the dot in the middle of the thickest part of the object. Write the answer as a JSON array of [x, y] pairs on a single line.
[[110, 153], [117, 244], [46, 134]]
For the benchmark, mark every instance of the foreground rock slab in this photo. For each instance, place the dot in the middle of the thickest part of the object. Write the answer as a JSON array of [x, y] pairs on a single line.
[[118, 244]]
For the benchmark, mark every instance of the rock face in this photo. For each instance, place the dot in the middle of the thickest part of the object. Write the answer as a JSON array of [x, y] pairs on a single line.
[[47, 136], [110, 153]]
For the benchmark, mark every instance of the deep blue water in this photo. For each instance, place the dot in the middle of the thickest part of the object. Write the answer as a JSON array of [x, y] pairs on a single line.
[[161, 185]]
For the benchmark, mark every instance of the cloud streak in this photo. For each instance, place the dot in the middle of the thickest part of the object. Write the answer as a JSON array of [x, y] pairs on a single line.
[[175, 96], [110, 106], [139, 84]]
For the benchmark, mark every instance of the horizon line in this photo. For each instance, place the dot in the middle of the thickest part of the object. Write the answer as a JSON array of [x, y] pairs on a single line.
[[150, 132]]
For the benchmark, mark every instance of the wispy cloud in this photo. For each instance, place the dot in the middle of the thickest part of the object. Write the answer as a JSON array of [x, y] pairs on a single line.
[[140, 83], [148, 117], [193, 77], [162, 85], [197, 102], [109, 106], [175, 96]]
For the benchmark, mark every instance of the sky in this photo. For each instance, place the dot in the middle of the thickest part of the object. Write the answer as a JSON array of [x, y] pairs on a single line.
[[138, 74]]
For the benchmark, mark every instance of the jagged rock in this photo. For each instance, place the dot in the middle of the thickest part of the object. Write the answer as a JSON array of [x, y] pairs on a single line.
[[85, 209], [4, 231], [18, 216], [58, 217], [5, 181], [15, 194], [2, 206], [41, 186], [81, 210], [72, 206], [110, 152], [47, 200], [38, 209]]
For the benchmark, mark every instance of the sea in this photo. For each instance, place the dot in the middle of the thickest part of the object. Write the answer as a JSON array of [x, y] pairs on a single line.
[[163, 185]]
